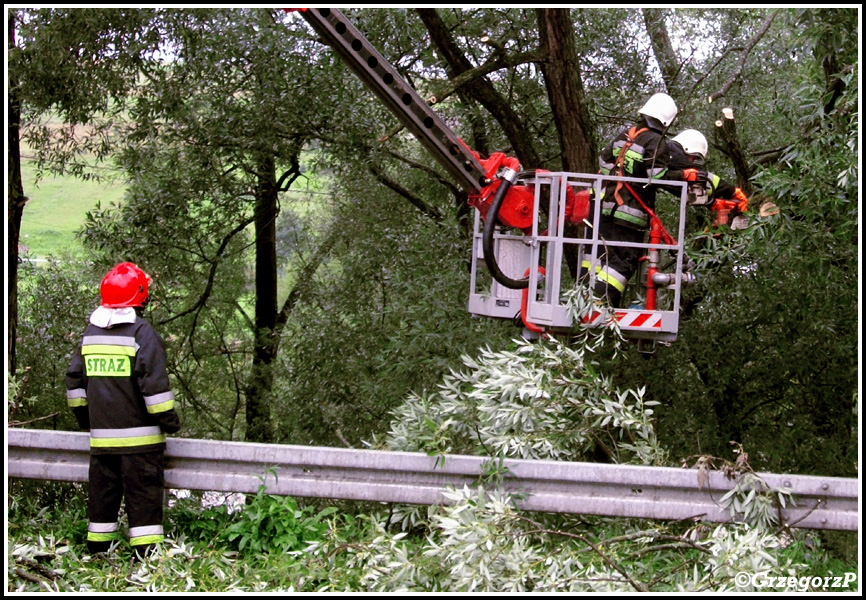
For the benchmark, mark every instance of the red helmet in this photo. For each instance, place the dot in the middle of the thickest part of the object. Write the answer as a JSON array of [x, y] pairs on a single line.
[[125, 285]]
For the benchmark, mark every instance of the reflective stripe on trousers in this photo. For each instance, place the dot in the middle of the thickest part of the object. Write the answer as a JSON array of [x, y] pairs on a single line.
[[102, 532], [139, 479], [148, 534], [608, 275]]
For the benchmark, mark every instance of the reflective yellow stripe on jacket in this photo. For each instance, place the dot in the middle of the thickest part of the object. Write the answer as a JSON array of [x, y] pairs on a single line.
[[159, 402], [76, 397], [629, 215], [108, 356], [126, 438]]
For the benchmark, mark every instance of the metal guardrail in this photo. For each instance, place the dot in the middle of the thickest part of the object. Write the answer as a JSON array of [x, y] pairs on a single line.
[[414, 478]]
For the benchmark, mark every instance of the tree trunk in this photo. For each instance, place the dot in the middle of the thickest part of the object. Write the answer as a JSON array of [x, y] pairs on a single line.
[[259, 388], [654, 20], [565, 90], [16, 202]]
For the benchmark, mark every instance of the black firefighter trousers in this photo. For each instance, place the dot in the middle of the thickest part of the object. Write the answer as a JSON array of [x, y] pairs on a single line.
[[616, 264], [140, 478]]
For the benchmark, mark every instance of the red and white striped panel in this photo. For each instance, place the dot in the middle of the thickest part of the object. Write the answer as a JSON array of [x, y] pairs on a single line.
[[646, 320], [640, 320]]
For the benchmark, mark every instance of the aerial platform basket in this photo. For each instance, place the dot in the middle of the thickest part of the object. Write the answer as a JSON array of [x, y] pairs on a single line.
[[544, 254]]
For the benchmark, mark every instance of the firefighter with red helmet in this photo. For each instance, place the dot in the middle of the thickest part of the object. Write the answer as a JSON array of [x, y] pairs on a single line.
[[118, 389], [639, 151], [689, 149]]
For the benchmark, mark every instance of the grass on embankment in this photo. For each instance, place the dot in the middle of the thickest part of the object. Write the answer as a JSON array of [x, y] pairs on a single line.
[[56, 210]]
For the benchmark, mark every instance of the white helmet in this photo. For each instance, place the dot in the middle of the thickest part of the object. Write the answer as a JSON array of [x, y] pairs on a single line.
[[661, 107], [692, 141]]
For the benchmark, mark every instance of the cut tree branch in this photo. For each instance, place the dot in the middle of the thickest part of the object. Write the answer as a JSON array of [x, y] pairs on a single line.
[[20, 423], [710, 70], [634, 583], [727, 133]]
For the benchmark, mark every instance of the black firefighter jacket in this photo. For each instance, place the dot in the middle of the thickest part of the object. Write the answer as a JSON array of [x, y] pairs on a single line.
[[117, 386]]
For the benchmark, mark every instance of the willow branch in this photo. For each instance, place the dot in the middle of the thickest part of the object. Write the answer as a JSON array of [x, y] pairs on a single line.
[[20, 423], [742, 61], [212, 275], [424, 168], [491, 66], [635, 584], [710, 70]]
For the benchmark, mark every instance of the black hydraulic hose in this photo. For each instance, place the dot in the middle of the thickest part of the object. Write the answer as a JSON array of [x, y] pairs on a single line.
[[489, 226]]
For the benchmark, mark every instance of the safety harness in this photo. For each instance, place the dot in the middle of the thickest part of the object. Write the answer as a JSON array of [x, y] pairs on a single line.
[[631, 136]]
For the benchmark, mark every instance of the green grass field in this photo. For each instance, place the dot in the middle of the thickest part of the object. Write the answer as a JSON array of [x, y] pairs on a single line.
[[57, 208]]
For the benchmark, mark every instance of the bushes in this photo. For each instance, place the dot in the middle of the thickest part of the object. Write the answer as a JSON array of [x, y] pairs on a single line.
[[478, 543], [55, 300]]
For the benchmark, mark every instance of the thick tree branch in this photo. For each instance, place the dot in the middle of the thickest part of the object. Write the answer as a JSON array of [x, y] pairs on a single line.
[[768, 157], [495, 63], [426, 169], [742, 61], [412, 198], [212, 274], [565, 90], [284, 182], [480, 89], [835, 84], [46, 578], [305, 278], [243, 313], [15, 199], [654, 20], [706, 74], [13, 423], [459, 193], [236, 381]]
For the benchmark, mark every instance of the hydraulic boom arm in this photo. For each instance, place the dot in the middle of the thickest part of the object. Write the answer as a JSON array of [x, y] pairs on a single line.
[[378, 75], [488, 181], [509, 199]]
